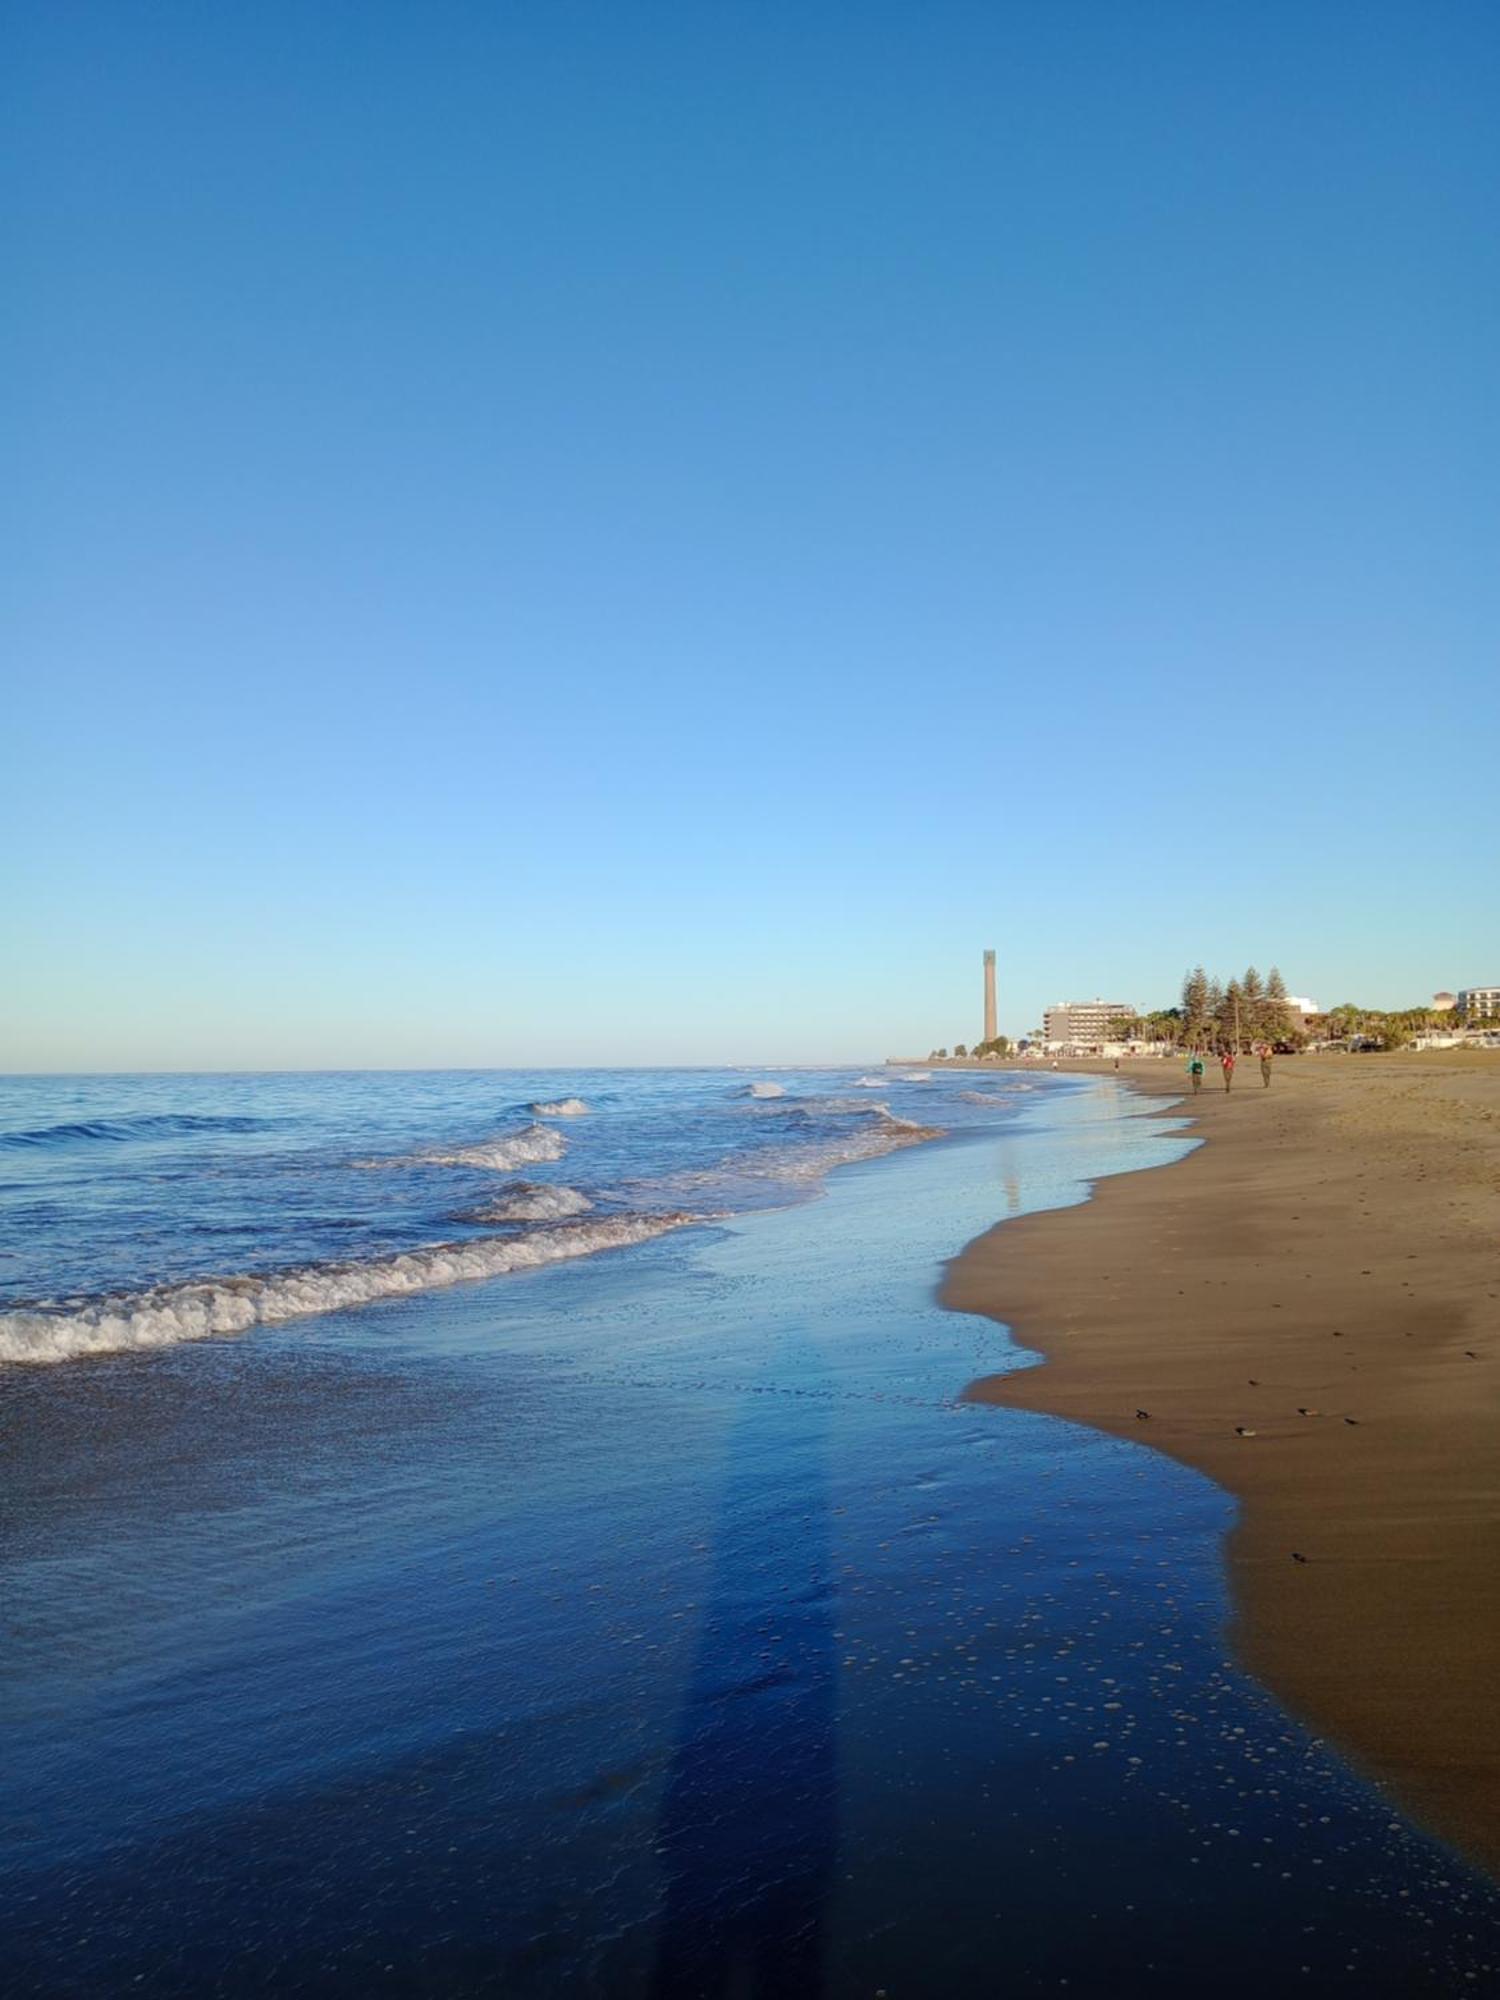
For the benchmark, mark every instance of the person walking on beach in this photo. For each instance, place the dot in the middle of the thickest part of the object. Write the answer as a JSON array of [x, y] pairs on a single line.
[[1226, 1063], [1195, 1071], [1265, 1064]]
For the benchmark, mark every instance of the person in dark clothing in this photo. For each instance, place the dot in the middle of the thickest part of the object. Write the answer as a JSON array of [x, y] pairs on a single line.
[[1195, 1071]]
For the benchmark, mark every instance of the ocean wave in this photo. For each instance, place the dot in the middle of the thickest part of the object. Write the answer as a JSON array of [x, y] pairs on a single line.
[[166, 1315], [762, 1090], [531, 1201], [751, 1175], [565, 1107], [502, 1156], [535, 1146], [809, 1110], [885, 1133], [117, 1131], [872, 1083]]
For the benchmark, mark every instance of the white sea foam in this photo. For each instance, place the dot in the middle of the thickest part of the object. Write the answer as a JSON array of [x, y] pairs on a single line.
[[765, 1090], [872, 1083], [168, 1314], [565, 1107], [529, 1201], [884, 1134], [743, 1177], [502, 1156]]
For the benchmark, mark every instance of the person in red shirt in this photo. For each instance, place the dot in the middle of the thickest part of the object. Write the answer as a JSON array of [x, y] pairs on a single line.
[[1226, 1063]]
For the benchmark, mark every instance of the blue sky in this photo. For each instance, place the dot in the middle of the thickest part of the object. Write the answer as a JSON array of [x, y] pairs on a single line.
[[655, 533]]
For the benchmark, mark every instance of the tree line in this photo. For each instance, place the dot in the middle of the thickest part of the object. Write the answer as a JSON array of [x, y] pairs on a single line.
[[1218, 1013], [1239, 1013], [1000, 1046]]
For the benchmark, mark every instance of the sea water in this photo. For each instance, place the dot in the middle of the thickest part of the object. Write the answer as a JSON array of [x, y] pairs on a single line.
[[642, 1613]]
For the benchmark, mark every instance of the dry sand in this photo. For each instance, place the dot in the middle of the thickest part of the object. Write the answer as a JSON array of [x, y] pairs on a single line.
[[1333, 1248]]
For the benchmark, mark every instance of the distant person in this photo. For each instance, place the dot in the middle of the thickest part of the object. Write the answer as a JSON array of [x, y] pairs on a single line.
[[1265, 1064], [1226, 1063], [1195, 1071]]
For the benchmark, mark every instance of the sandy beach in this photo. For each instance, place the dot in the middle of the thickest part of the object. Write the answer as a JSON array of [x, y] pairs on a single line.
[[1305, 1309]]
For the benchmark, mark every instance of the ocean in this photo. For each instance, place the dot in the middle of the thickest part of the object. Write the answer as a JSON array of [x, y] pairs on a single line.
[[523, 1534], [141, 1211]]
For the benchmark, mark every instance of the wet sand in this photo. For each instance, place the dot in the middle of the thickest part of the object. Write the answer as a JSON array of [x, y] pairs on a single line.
[[1322, 1272]]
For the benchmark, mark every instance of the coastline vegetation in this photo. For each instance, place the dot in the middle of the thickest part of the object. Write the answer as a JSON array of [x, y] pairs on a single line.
[[1246, 1012], [1243, 1012]]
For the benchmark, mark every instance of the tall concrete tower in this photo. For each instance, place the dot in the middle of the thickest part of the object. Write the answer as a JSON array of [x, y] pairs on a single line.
[[990, 1027]]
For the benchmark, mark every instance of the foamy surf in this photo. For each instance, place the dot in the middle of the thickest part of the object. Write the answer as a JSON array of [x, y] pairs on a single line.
[[763, 1090], [538, 1143], [798, 1165], [169, 1314], [565, 1107], [531, 1201]]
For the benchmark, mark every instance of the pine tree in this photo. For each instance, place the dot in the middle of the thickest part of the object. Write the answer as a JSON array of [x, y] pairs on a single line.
[[1253, 1005], [1196, 1006], [1230, 1014], [1279, 1017]]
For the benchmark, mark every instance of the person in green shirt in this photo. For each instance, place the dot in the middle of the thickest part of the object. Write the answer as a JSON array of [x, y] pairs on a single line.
[[1195, 1071]]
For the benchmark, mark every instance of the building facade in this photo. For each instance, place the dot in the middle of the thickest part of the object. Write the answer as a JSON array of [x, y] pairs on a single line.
[[1479, 1003], [1082, 1024]]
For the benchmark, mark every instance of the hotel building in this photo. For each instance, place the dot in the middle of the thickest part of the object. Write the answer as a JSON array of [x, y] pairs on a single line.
[[1083, 1024]]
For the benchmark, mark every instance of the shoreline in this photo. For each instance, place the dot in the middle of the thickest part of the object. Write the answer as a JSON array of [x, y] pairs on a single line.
[[1327, 1249]]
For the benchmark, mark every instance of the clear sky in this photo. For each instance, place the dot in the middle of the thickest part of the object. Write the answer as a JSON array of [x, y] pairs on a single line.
[[560, 532]]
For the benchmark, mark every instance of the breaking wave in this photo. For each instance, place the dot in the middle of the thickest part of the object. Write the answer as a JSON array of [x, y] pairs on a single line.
[[565, 1107], [117, 1131], [886, 1133], [755, 1178], [763, 1090], [503, 1156], [872, 1083], [168, 1314], [531, 1201]]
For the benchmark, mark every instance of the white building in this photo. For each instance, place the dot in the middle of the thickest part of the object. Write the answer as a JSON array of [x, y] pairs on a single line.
[[1303, 1006], [1083, 1024], [1479, 1003]]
